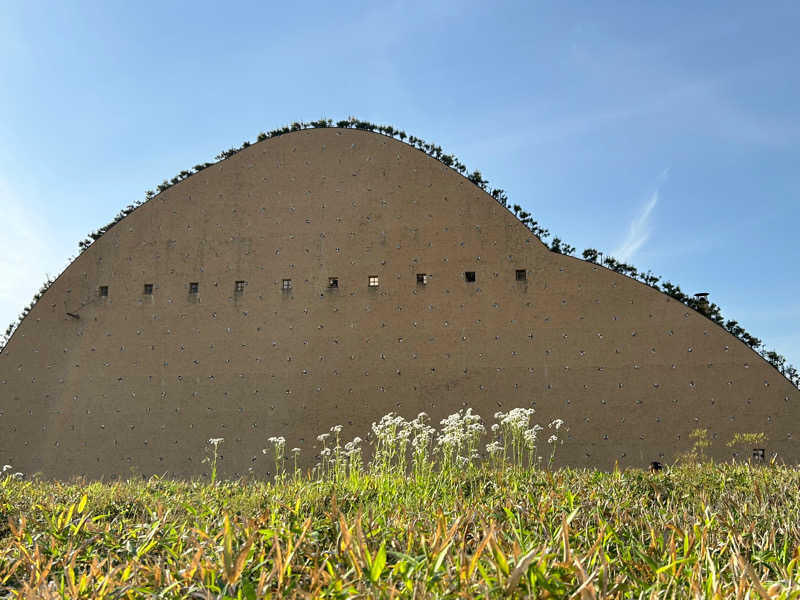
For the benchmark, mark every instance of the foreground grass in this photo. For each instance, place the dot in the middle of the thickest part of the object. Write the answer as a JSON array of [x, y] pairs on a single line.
[[724, 531]]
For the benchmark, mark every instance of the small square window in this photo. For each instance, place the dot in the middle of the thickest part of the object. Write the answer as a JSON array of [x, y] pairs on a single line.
[[194, 287], [103, 291], [469, 276], [333, 282], [286, 284], [422, 279], [374, 281], [148, 289], [239, 287], [759, 454], [522, 275]]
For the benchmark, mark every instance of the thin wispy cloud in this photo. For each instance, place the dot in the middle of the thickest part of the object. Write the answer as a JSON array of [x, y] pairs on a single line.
[[639, 229]]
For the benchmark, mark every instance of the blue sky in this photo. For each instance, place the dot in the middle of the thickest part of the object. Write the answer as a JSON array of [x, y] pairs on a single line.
[[667, 134]]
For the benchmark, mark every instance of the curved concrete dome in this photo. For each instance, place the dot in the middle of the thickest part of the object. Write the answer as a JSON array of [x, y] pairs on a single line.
[[136, 381]]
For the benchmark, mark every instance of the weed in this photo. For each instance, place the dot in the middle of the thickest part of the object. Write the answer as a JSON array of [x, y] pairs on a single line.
[[426, 517]]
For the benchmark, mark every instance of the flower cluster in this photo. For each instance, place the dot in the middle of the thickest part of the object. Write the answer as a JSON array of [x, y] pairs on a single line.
[[392, 435], [279, 449], [16, 475], [519, 437], [455, 444], [338, 460], [493, 448], [459, 437], [516, 419], [278, 442]]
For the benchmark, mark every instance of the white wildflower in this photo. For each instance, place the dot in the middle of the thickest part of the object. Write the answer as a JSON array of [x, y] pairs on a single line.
[[515, 420], [529, 437], [352, 448], [494, 448], [476, 428], [352, 445], [216, 441], [423, 434], [460, 430]]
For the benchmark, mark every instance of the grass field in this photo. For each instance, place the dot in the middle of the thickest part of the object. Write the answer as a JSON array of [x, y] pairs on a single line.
[[451, 528]]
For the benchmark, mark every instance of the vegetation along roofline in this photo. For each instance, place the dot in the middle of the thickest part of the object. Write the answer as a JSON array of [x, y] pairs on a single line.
[[697, 303]]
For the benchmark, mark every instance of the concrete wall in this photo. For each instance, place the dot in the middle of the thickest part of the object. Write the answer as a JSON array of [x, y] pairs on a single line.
[[139, 383]]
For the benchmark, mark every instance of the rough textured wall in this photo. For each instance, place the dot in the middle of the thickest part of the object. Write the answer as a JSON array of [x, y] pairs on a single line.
[[137, 383]]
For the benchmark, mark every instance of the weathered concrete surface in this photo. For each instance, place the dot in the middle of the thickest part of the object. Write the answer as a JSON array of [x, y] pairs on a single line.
[[139, 383]]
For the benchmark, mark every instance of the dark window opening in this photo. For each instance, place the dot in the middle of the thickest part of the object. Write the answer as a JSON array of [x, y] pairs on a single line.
[[239, 287], [374, 281], [194, 287], [103, 292], [469, 276], [522, 275], [148, 289], [422, 279], [333, 282], [286, 284], [759, 453]]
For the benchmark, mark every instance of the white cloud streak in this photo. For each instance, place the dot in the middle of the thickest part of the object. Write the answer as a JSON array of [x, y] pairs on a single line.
[[639, 229]]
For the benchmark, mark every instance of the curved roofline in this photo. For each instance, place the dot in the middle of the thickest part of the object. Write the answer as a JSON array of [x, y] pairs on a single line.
[[671, 298], [150, 195], [367, 128]]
